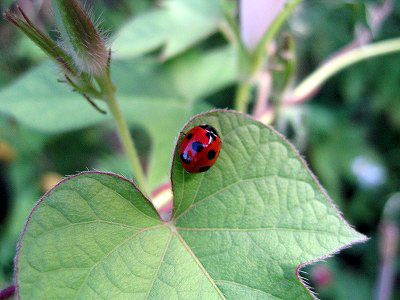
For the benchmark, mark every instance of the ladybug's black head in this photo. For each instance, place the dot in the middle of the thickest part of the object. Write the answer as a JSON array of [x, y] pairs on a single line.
[[209, 128]]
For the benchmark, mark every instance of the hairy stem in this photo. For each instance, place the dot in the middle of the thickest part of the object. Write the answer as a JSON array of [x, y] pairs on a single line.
[[127, 143], [124, 134]]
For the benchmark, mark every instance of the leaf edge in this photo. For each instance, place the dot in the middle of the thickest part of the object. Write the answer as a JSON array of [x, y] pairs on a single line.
[[45, 195]]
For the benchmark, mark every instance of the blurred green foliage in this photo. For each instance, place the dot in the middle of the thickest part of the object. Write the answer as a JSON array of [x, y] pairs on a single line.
[[349, 132]]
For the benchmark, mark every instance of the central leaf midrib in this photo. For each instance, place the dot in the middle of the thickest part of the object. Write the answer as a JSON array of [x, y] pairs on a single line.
[[202, 268], [194, 257], [159, 265], [258, 229], [248, 287]]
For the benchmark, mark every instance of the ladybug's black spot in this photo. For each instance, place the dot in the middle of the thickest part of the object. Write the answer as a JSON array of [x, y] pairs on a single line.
[[197, 147], [189, 136], [185, 158], [211, 154], [209, 128], [211, 136], [203, 169]]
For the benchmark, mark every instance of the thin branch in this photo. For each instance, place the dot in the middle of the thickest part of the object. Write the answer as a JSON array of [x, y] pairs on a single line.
[[90, 100], [71, 82]]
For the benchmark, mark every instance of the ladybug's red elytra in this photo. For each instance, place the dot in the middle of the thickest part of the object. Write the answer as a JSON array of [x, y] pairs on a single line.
[[200, 149]]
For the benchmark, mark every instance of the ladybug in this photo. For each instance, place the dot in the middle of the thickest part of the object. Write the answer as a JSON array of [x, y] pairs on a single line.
[[200, 149]]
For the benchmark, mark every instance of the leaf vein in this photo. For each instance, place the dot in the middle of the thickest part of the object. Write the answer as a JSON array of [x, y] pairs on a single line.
[[229, 186], [259, 229], [195, 258], [114, 249], [129, 201], [84, 223], [247, 287], [159, 265]]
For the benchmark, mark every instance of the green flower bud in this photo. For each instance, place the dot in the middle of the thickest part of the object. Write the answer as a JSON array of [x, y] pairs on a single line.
[[80, 37]]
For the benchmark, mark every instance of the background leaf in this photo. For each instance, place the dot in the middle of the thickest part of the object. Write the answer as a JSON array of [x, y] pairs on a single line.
[[158, 97], [176, 26]]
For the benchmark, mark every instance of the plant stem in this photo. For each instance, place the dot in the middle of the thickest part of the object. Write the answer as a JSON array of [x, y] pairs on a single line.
[[242, 97], [127, 142], [108, 94], [314, 81]]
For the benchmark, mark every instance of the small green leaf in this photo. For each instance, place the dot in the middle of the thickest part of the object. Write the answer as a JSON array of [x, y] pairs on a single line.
[[240, 230], [196, 75], [176, 26]]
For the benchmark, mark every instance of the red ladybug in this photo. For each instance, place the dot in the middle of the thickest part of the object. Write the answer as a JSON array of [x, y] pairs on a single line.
[[200, 148]]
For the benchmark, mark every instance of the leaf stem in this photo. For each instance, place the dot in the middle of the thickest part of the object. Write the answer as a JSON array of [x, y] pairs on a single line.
[[128, 144], [251, 62], [313, 82], [242, 96]]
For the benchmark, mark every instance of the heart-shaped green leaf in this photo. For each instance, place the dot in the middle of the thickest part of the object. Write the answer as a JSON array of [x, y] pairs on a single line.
[[240, 230], [257, 214]]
